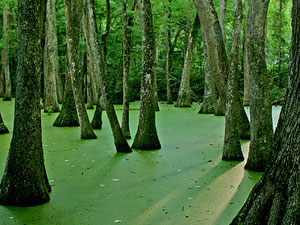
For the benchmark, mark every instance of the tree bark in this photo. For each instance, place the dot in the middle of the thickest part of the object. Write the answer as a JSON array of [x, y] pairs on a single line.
[[126, 67], [232, 147], [188, 26], [223, 5], [3, 128], [275, 198], [184, 98], [119, 139], [279, 39], [155, 100], [73, 10], [5, 54], [260, 105], [209, 102], [51, 61], [246, 100], [146, 137], [25, 182], [168, 46]]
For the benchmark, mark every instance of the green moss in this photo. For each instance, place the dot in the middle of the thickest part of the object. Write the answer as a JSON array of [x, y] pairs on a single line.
[[184, 183]]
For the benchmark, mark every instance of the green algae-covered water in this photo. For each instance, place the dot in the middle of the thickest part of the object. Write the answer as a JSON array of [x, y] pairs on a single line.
[[183, 183]]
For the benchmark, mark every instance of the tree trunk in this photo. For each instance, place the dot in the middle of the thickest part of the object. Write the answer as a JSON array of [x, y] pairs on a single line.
[[68, 115], [260, 105], [50, 60], [209, 102], [73, 17], [2, 80], [275, 198], [3, 128], [168, 45], [97, 119], [223, 4], [279, 39], [5, 54], [146, 137], [126, 67], [232, 146], [215, 48], [184, 95], [188, 25], [246, 100], [156, 106], [120, 141], [25, 182], [89, 90]]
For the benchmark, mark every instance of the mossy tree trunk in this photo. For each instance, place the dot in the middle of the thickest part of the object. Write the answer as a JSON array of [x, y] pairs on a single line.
[[3, 128], [184, 98], [232, 147], [246, 99], [155, 100], [50, 60], [209, 102], [5, 54], [275, 198], [146, 137], [73, 9], [126, 67], [25, 182], [168, 56], [260, 105], [119, 139]]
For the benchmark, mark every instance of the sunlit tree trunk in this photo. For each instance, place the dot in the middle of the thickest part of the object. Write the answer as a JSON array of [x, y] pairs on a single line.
[[188, 25], [5, 54], [146, 137], [232, 146], [260, 105], [184, 98], [50, 60], [73, 10], [119, 139], [275, 198], [3, 128], [25, 182]]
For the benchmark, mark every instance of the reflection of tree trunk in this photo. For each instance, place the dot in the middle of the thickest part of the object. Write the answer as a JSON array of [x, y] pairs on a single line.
[[246, 101], [119, 139], [146, 137], [25, 181], [232, 146], [73, 31], [184, 95], [277, 192], [5, 54], [260, 105], [50, 60]]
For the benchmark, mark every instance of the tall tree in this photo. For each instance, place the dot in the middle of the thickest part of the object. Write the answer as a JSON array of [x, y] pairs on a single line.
[[260, 106], [3, 128], [119, 139], [5, 53], [223, 5], [146, 137], [51, 61], [209, 102], [279, 36], [168, 46], [232, 146], [184, 98], [126, 67], [275, 198], [73, 9], [246, 98], [25, 182]]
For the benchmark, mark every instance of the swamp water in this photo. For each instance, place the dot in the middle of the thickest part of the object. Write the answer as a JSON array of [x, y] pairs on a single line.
[[184, 183]]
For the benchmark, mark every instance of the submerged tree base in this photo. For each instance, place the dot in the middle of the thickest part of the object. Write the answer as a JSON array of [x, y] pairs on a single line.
[[65, 119], [146, 143], [97, 119]]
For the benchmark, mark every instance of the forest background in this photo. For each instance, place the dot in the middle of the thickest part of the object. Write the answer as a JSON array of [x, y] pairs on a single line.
[[178, 25]]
